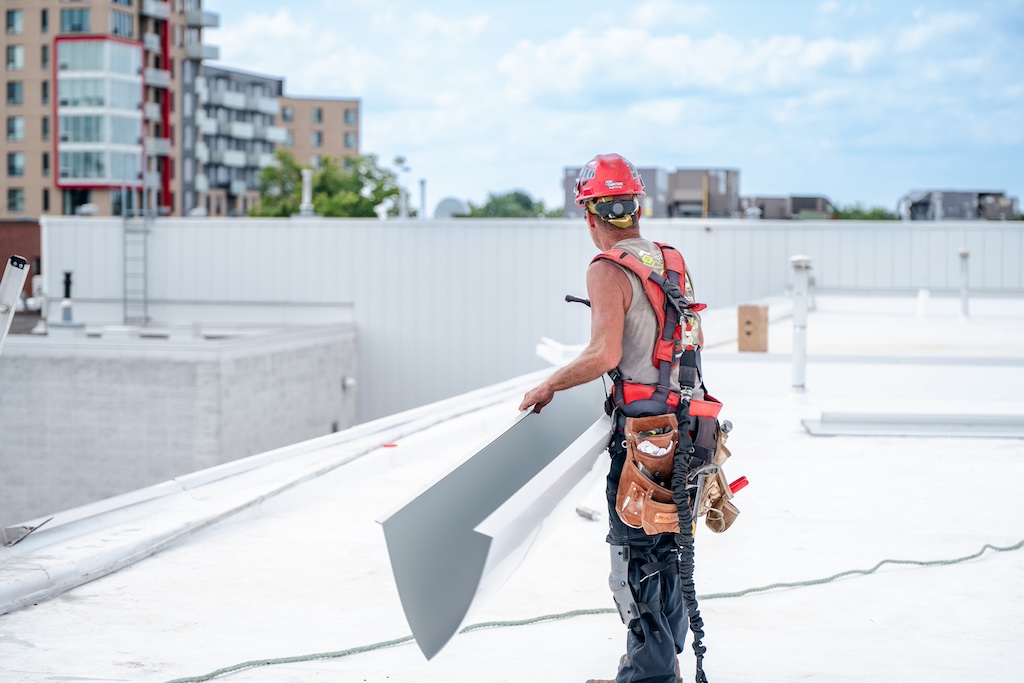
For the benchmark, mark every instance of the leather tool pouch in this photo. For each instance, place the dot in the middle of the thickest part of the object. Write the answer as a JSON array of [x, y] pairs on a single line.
[[644, 498], [715, 498]]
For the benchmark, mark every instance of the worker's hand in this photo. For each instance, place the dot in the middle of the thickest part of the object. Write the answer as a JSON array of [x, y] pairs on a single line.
[[537, 397]]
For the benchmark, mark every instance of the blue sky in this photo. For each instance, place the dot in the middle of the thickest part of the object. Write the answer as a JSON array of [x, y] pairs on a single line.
[[860, 101]]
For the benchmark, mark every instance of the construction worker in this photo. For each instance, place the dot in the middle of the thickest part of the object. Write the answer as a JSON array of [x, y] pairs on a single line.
[[625, 329]]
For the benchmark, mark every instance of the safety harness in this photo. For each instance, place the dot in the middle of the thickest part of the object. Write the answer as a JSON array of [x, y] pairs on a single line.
[[675, 321], [658, 482]]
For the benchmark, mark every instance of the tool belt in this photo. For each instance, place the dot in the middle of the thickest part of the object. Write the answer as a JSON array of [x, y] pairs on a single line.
[[644, 498], [644, 495]]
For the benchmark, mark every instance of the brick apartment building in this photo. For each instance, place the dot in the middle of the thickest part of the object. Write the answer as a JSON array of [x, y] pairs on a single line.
[[109, 103]]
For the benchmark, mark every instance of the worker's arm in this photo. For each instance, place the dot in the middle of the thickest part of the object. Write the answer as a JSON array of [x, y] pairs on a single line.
[[609, 293]]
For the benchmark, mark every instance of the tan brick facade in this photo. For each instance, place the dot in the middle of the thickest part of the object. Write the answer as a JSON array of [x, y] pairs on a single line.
[[321, 127]]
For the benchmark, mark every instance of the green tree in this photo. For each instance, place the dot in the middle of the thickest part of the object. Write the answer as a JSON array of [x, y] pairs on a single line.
[[514, 204], [354, 189], [280, 187], [857, 212]]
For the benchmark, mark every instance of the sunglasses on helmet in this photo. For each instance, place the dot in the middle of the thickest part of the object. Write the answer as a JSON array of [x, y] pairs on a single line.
[[614, 208]]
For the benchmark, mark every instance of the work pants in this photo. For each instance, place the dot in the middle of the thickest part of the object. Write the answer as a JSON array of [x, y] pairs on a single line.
[[658, 635]]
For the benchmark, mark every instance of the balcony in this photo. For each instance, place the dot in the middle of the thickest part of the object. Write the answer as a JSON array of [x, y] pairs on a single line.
[[272, 134], [262, 159], [202, 153], [207, 126], [202, 183], [201, 51], [158, 78], [228, 99], [159, 147], [156, 9], [237, 187], [152, 111], [153, 179], [202, 19], [152, 42], [237, 129], [264, 105], [234, 158]]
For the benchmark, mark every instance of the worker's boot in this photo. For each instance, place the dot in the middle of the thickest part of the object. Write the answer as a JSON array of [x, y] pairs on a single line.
[[622, 660]]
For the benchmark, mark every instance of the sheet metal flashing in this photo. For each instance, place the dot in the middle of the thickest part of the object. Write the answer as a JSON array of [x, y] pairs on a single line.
[[907, 424], [456, 543]]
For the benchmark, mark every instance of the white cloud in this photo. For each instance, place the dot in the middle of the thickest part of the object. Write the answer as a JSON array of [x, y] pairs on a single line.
[[933, 29], [572, 66], [656, 15], [324, 62]]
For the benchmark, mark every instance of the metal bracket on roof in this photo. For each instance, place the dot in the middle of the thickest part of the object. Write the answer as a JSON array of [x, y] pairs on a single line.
[[13, 535], [907, 424], [10, 289]]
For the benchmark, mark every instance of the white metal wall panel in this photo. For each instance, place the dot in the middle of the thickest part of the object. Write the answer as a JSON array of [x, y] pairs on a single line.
[[446, 306], [1013, 243], [990, 258]]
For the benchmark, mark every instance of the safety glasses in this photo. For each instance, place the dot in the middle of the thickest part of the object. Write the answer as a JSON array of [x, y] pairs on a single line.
[[614, 208]]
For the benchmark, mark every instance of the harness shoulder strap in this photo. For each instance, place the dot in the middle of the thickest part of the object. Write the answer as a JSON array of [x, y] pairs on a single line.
[[653, 290]]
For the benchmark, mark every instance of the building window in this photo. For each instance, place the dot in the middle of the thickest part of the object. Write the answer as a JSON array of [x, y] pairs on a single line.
[[44, 21], [15, 128], [15, 92], [123, 3], [44, 56], [85, 129], [318, 115], [287, 114], [317, 139], [289, 137], [15, 21], [46, 200], [120, 23], [15, 200], [16, 164], [46, 163], [46, 127], [88, 92], [83, 165], [351, 117], [46, 92], [314, 162], [350, 140], [74, 21], [15, 57]]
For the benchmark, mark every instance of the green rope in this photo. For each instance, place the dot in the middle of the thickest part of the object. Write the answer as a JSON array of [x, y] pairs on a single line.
[[585, 612], [865, 572]]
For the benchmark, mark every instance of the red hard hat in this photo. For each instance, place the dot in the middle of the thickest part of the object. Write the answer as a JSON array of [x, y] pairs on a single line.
[[607, 175]]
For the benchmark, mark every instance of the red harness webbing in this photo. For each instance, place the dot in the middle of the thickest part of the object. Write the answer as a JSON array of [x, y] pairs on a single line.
[[667, 300]]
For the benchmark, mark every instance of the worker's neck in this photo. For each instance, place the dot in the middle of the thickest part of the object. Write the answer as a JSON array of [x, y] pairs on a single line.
[[610, 239]]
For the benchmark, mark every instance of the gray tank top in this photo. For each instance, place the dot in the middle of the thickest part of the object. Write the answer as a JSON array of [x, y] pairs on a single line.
[[640, 330]]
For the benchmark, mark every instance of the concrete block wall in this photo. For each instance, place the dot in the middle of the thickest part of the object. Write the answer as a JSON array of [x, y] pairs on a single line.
[[87, 419], [275, 397]]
